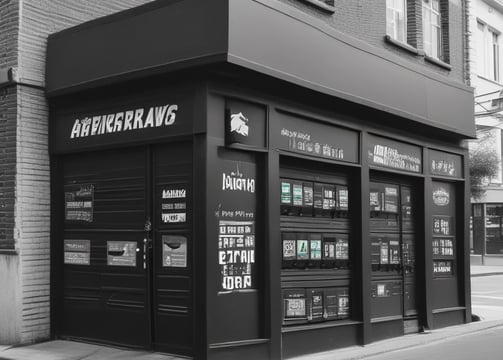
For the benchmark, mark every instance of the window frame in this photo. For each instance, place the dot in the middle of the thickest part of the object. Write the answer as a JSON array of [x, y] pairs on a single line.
[[391, 21]]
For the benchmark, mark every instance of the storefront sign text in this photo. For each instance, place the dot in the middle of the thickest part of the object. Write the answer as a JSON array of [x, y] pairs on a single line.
[[140, 118]]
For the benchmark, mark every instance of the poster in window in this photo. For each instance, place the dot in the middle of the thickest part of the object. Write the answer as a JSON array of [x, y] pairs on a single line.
[[121, 253], [302, 249], [318, 199], [289, 249], [342, 249], [286, 193], [375, 205], [342, 199], [79, 203], [174, 251], [315, 305], [394, 250], [308, 194], [375, 252], [343, 305], [236, 253], [331, 303], [328, 197], [315, 248], [391, 199], [295, 303], [297, 194], [77, 252], [384, 253]]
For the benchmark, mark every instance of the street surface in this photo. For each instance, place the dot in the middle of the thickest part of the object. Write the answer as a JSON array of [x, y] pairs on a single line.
[[483, 345], [487, 297], [487, 303]]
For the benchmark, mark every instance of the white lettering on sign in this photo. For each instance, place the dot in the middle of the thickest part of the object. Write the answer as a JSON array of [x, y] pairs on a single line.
[[174, 194], [155, 116], [235, 181], [173, 218]]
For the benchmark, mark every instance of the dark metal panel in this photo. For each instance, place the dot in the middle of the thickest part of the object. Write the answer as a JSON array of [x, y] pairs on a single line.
[[297, 48], [161, 34]]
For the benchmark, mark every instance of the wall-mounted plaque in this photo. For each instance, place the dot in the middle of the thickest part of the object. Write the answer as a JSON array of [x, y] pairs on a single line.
[[79, 202], [174, 251], [445, 164], [77, 252], [121, 253], [386, 153], [317, 139]]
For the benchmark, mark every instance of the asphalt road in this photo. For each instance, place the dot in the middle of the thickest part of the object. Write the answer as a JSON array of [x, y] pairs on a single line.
[[487, 297]]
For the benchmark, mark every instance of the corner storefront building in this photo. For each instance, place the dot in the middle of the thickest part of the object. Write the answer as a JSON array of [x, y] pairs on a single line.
[[224, 187]]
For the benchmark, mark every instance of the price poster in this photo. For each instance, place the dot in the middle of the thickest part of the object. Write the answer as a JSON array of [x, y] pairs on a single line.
[[79, 202]]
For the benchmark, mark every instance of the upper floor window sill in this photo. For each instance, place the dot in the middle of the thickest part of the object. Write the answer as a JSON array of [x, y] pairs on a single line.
[[325, 5], [437, 62], [402, 45]]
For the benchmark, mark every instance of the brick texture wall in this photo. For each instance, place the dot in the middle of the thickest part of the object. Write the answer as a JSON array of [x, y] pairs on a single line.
[[366, 20], [24, 157]]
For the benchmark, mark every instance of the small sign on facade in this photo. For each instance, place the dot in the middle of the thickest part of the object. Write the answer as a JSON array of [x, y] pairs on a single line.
[[174, 251], [77, 252], [121, 253]]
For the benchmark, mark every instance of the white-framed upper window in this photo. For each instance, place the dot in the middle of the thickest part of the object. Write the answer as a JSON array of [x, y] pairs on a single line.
[[432, 32], [396, 20], [488, 51]]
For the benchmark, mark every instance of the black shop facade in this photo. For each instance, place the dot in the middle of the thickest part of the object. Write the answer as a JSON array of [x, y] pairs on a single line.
[[223, 213]]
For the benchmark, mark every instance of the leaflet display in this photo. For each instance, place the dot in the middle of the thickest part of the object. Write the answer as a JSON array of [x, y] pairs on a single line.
[[315, 250]]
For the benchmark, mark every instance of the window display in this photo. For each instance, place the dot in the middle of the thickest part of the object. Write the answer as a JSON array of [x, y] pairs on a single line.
[[328, 251], [315, 304], [303, 198]]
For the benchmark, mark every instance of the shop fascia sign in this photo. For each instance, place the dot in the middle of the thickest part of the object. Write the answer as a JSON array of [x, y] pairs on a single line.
[[122, 121]]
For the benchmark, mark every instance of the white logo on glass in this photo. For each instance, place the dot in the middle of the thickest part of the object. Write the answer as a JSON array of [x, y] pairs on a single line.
[[239, 124]]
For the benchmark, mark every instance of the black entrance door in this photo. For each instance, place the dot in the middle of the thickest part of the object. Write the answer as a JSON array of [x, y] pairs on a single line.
[[393, 254], [126, 265]]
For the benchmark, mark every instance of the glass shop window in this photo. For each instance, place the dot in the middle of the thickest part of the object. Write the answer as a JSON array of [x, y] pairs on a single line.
[[313, 199], [315, 251]]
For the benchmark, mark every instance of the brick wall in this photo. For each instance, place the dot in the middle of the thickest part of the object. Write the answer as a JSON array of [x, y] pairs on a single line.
[[24, 158], [366, 20]]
